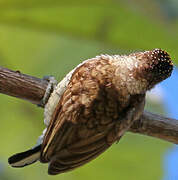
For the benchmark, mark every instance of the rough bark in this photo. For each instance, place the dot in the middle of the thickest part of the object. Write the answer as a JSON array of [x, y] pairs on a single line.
[[14, 83]]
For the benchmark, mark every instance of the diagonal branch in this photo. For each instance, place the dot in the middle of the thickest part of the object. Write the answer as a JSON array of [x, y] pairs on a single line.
[[32, 89], [157, 126]]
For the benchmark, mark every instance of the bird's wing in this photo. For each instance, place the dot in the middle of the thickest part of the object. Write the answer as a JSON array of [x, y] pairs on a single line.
[[72, 138]]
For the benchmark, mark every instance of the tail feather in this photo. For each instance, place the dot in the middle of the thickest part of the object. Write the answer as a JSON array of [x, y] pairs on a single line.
[[25, 158]]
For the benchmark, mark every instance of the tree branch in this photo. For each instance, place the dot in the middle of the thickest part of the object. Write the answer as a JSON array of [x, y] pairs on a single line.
[[32, 89], [14, 83], [157, 126]]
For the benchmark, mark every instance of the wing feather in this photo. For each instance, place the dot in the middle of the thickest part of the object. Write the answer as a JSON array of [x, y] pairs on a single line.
[[67, 128], [72, 161]]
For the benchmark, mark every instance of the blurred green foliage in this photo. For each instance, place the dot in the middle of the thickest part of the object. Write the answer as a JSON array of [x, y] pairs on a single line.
[[51, 37]]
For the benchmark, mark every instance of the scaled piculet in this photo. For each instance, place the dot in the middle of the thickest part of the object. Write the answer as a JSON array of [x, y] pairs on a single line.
[[93, 106]]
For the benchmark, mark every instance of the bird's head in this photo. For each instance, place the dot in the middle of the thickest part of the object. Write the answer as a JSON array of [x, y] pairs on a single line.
[[154, 66]]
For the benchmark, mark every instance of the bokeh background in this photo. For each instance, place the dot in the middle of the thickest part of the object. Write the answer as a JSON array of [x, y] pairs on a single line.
[[50, 37]]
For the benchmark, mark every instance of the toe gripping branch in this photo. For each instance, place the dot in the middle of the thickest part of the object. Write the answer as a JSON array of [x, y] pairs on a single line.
[[51, 85]]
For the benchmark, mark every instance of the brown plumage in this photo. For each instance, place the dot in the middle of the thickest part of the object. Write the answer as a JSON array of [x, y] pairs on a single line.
[[99, 103]]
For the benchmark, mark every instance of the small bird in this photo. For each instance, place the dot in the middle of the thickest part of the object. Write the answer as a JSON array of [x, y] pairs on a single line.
[[92, 108]]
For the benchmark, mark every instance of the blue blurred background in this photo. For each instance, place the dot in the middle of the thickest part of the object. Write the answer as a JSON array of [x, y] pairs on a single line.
[[50, 37]]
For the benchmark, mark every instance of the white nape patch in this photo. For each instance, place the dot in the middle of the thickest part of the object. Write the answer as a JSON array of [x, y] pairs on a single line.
[[130, 62], [125, 65], [125, 68]]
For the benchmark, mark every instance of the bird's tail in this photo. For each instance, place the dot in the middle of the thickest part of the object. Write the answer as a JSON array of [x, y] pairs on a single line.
[[25, 158]]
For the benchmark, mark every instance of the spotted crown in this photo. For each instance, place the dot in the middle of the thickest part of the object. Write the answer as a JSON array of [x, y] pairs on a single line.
[[159, 65]]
